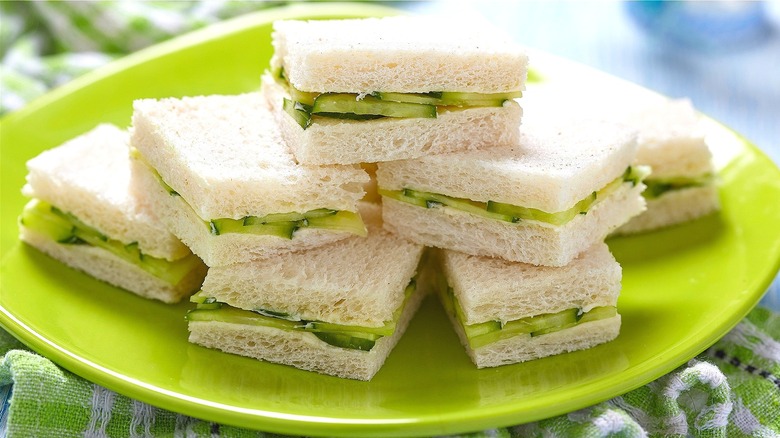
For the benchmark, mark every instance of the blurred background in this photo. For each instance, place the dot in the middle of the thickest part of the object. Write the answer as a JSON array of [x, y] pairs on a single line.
[[723, 55]]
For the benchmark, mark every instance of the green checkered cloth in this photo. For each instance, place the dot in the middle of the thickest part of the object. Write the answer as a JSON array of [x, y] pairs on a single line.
[[731, 390]]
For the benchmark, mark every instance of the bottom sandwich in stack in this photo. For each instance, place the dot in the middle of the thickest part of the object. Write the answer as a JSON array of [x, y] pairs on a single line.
[[338, 309], [507, 312]]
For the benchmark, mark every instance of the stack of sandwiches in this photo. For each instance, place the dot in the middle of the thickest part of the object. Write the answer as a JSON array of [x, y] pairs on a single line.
[[264, 190]]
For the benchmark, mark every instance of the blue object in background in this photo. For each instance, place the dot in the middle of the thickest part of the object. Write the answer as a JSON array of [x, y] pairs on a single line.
[[698, 25]]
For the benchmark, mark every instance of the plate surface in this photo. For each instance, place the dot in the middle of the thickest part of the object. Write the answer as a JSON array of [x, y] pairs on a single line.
[[683, 287]]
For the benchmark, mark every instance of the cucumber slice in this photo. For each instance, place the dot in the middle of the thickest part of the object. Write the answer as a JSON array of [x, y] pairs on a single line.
[[467, 205], [283, 230], [450, 98], [347, 340], [370, 105], [598, 313], [67, 229], [525, 213], [298, 111], [400, 195], [37, 216], [342, 220]]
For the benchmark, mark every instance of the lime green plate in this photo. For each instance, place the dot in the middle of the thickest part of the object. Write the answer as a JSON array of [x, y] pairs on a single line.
[[683, 287]]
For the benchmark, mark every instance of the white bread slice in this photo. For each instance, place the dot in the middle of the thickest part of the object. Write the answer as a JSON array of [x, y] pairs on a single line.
[[89, 177], [399, 54], [225, 157], [356, 281], [674, 207], [329, 141], [553, 168], [106, 266], [223, 249], [670, 139], [590, 280]]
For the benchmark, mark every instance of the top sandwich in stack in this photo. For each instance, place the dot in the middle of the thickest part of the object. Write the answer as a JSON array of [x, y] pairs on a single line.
[[370, 90], [218, 175], [564, 188], [84, 213]]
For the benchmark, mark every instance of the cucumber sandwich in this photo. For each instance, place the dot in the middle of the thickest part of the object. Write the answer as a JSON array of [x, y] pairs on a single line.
[[380, 89], [220, 177], [336, 310], [682, 185], [564, 188], [542, 311], [85, 214]]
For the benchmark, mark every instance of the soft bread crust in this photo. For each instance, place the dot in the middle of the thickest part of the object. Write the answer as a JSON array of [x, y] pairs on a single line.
[[590, 280], [527, 241], [671, 140], [301, 350], [224, 155], [89, 177], [524, 348], [674, 207], [553, 168], [339, 141], [356, 281], [181, 219], [113, 270], [400, 54]]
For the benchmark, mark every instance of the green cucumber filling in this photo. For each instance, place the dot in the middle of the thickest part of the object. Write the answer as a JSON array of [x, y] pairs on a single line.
[[338, 335], [302, 106], [658, 187], [513, 213], [66, 229], [484, 333], [282, 225]]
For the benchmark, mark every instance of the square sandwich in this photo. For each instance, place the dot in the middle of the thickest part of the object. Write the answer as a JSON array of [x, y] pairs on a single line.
[[337, 309], [379, 89], [544, 201], [84, 213], [220, 177], [682, 184], [542, 310]]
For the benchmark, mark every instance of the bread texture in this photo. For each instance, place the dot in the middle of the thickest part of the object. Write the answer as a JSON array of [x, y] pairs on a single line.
[[356, 281], [590, 280], [225, 157], [530, 242], [107, 267], [340, 141], [398, 54], [670, 139], [524, 348], [301, 350], [223, 249], [89, 177], [553, 167], [674, 207]]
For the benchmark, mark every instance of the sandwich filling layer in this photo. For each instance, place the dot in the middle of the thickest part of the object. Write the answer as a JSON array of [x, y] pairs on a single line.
[[337, 335], [283, 225], [513, 213], [659, 187], [305, 107], [484, 333], [66, 229]]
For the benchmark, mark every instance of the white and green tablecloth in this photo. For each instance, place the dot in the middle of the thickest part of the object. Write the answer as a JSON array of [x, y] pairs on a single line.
[[732, 389]]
